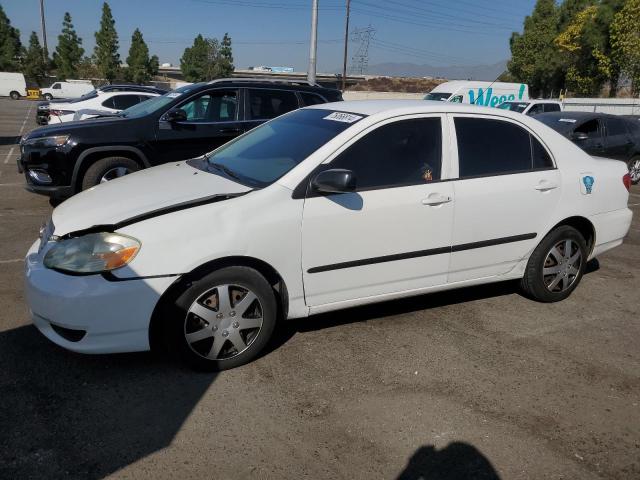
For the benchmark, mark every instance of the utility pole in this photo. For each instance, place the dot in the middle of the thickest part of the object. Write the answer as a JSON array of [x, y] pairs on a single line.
[[311, 74], [346, 43], [44, 30]]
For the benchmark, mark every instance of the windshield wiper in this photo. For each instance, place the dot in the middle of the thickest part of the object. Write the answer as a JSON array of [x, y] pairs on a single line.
[[224, 169]]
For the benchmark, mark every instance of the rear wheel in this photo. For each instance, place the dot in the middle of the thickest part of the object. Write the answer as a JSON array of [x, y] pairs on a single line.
[[14, 95], [556, 265], [223, 320], [107, 169], [634, 169]]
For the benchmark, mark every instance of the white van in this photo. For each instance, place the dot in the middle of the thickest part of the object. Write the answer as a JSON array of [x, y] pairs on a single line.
[[12, 85], [68, 89], [488, 94]]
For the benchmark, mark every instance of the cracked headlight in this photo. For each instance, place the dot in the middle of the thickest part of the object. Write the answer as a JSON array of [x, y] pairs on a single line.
[[92, 253]]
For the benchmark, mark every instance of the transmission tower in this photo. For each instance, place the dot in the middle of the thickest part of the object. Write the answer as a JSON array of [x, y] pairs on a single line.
[[360, 60]]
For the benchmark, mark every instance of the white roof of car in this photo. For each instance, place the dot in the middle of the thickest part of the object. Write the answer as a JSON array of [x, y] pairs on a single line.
[[398, 107]]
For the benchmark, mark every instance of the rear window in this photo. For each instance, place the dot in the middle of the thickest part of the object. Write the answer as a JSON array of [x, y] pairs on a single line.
[[616, 126], [495, 147]]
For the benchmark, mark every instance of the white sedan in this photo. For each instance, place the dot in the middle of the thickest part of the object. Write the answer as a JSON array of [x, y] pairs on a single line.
[[323, 208], [104, 102]]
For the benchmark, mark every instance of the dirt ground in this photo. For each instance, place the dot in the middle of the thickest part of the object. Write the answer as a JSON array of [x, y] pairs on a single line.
[[477, 383]]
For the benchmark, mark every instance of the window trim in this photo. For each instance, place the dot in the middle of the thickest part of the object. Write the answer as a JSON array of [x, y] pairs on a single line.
[[302, 190], [454, 145]]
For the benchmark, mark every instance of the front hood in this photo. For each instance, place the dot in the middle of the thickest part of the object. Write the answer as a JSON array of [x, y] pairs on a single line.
[[142, 195], [71, 127]]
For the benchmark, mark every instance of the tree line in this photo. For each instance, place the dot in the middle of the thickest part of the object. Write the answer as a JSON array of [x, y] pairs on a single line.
[[207, 59], [584, 47]]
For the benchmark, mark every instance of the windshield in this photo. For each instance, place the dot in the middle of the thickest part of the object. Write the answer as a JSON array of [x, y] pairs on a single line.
[[514, 106], [154, 104], [262, 156], [560, 123], [442, 97], [86, 96]]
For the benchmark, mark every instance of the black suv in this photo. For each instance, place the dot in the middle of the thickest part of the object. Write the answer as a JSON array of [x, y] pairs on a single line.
[[42, 112], [61, 160]]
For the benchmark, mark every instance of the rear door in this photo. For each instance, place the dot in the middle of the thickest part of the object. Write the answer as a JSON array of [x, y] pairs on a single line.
[[212, 120], [618, 140], [506, 188]]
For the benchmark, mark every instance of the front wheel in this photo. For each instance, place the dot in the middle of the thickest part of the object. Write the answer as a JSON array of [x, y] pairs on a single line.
[[634, 169], [223, 320], [556, 266], [15, 95], [48, 97], [107, 169]]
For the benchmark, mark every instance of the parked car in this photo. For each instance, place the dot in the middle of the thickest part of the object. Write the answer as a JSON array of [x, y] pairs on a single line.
[[68, 89], [61, 160], [488, 94], [532, 107], [320, 209], [42, 112], [12, 85], [601, 134], [109, 102]]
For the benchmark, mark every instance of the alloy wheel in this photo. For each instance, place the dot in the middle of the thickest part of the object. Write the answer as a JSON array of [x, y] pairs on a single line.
[[223, 322], [562, 266], [634, 170], [114, 173]]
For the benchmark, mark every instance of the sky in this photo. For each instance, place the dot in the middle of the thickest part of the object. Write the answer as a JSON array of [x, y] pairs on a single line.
[[276, 32]]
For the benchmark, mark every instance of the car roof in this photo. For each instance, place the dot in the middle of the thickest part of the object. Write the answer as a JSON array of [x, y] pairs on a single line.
[[301, 85], [399, 107]]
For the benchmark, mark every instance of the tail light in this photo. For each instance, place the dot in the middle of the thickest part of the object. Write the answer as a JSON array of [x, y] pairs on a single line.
[[626, 179]]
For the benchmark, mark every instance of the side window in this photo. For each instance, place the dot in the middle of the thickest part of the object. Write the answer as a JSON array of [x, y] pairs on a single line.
[[407, 152], [551, 107], [541, 158], [494, 147], [311, 99], [122, 102], [536, 109], [216, 106], [108, 103], [616, 126], [591, 128], [265, 104], [56, 86], [456, 99]]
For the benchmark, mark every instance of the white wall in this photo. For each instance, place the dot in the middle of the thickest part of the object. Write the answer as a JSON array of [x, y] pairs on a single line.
[[616, 106]]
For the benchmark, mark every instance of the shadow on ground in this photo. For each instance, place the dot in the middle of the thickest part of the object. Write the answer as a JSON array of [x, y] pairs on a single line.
[[458, 461], [11, 140], [77, 416]]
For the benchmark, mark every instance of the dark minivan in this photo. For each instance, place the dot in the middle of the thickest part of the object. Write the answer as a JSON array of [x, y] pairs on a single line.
[[61, 160]]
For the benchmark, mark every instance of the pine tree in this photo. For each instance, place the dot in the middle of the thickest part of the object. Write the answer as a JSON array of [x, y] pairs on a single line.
[[10, 45], [69, 50], [227, 55], [140, 67], [34, 64], [106, 56]]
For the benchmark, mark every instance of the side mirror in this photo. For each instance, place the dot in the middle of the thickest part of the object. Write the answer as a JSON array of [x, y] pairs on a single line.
[[334, 181], [175, 115], [579, 136]]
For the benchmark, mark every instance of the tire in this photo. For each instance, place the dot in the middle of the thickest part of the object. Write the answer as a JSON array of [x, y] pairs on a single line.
[[634, 169], [48, 97], [222, 337], [549, 257], [15, 95], [103, 168]]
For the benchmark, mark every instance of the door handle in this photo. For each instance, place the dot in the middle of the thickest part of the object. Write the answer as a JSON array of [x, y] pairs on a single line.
[[546, 186], [436, 199], [229, 130]]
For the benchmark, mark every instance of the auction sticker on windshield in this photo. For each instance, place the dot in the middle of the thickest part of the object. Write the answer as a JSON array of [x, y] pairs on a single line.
[[343, 117]]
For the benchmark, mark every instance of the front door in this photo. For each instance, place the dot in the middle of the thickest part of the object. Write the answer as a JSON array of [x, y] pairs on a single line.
[[506, 190], [212, 120], [393, 233]]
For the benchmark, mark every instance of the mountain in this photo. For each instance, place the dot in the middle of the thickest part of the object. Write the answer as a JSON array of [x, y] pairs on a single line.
[[455, 72]]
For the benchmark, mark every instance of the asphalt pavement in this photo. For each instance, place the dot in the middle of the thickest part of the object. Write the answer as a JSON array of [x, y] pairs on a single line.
[[479, 383]]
